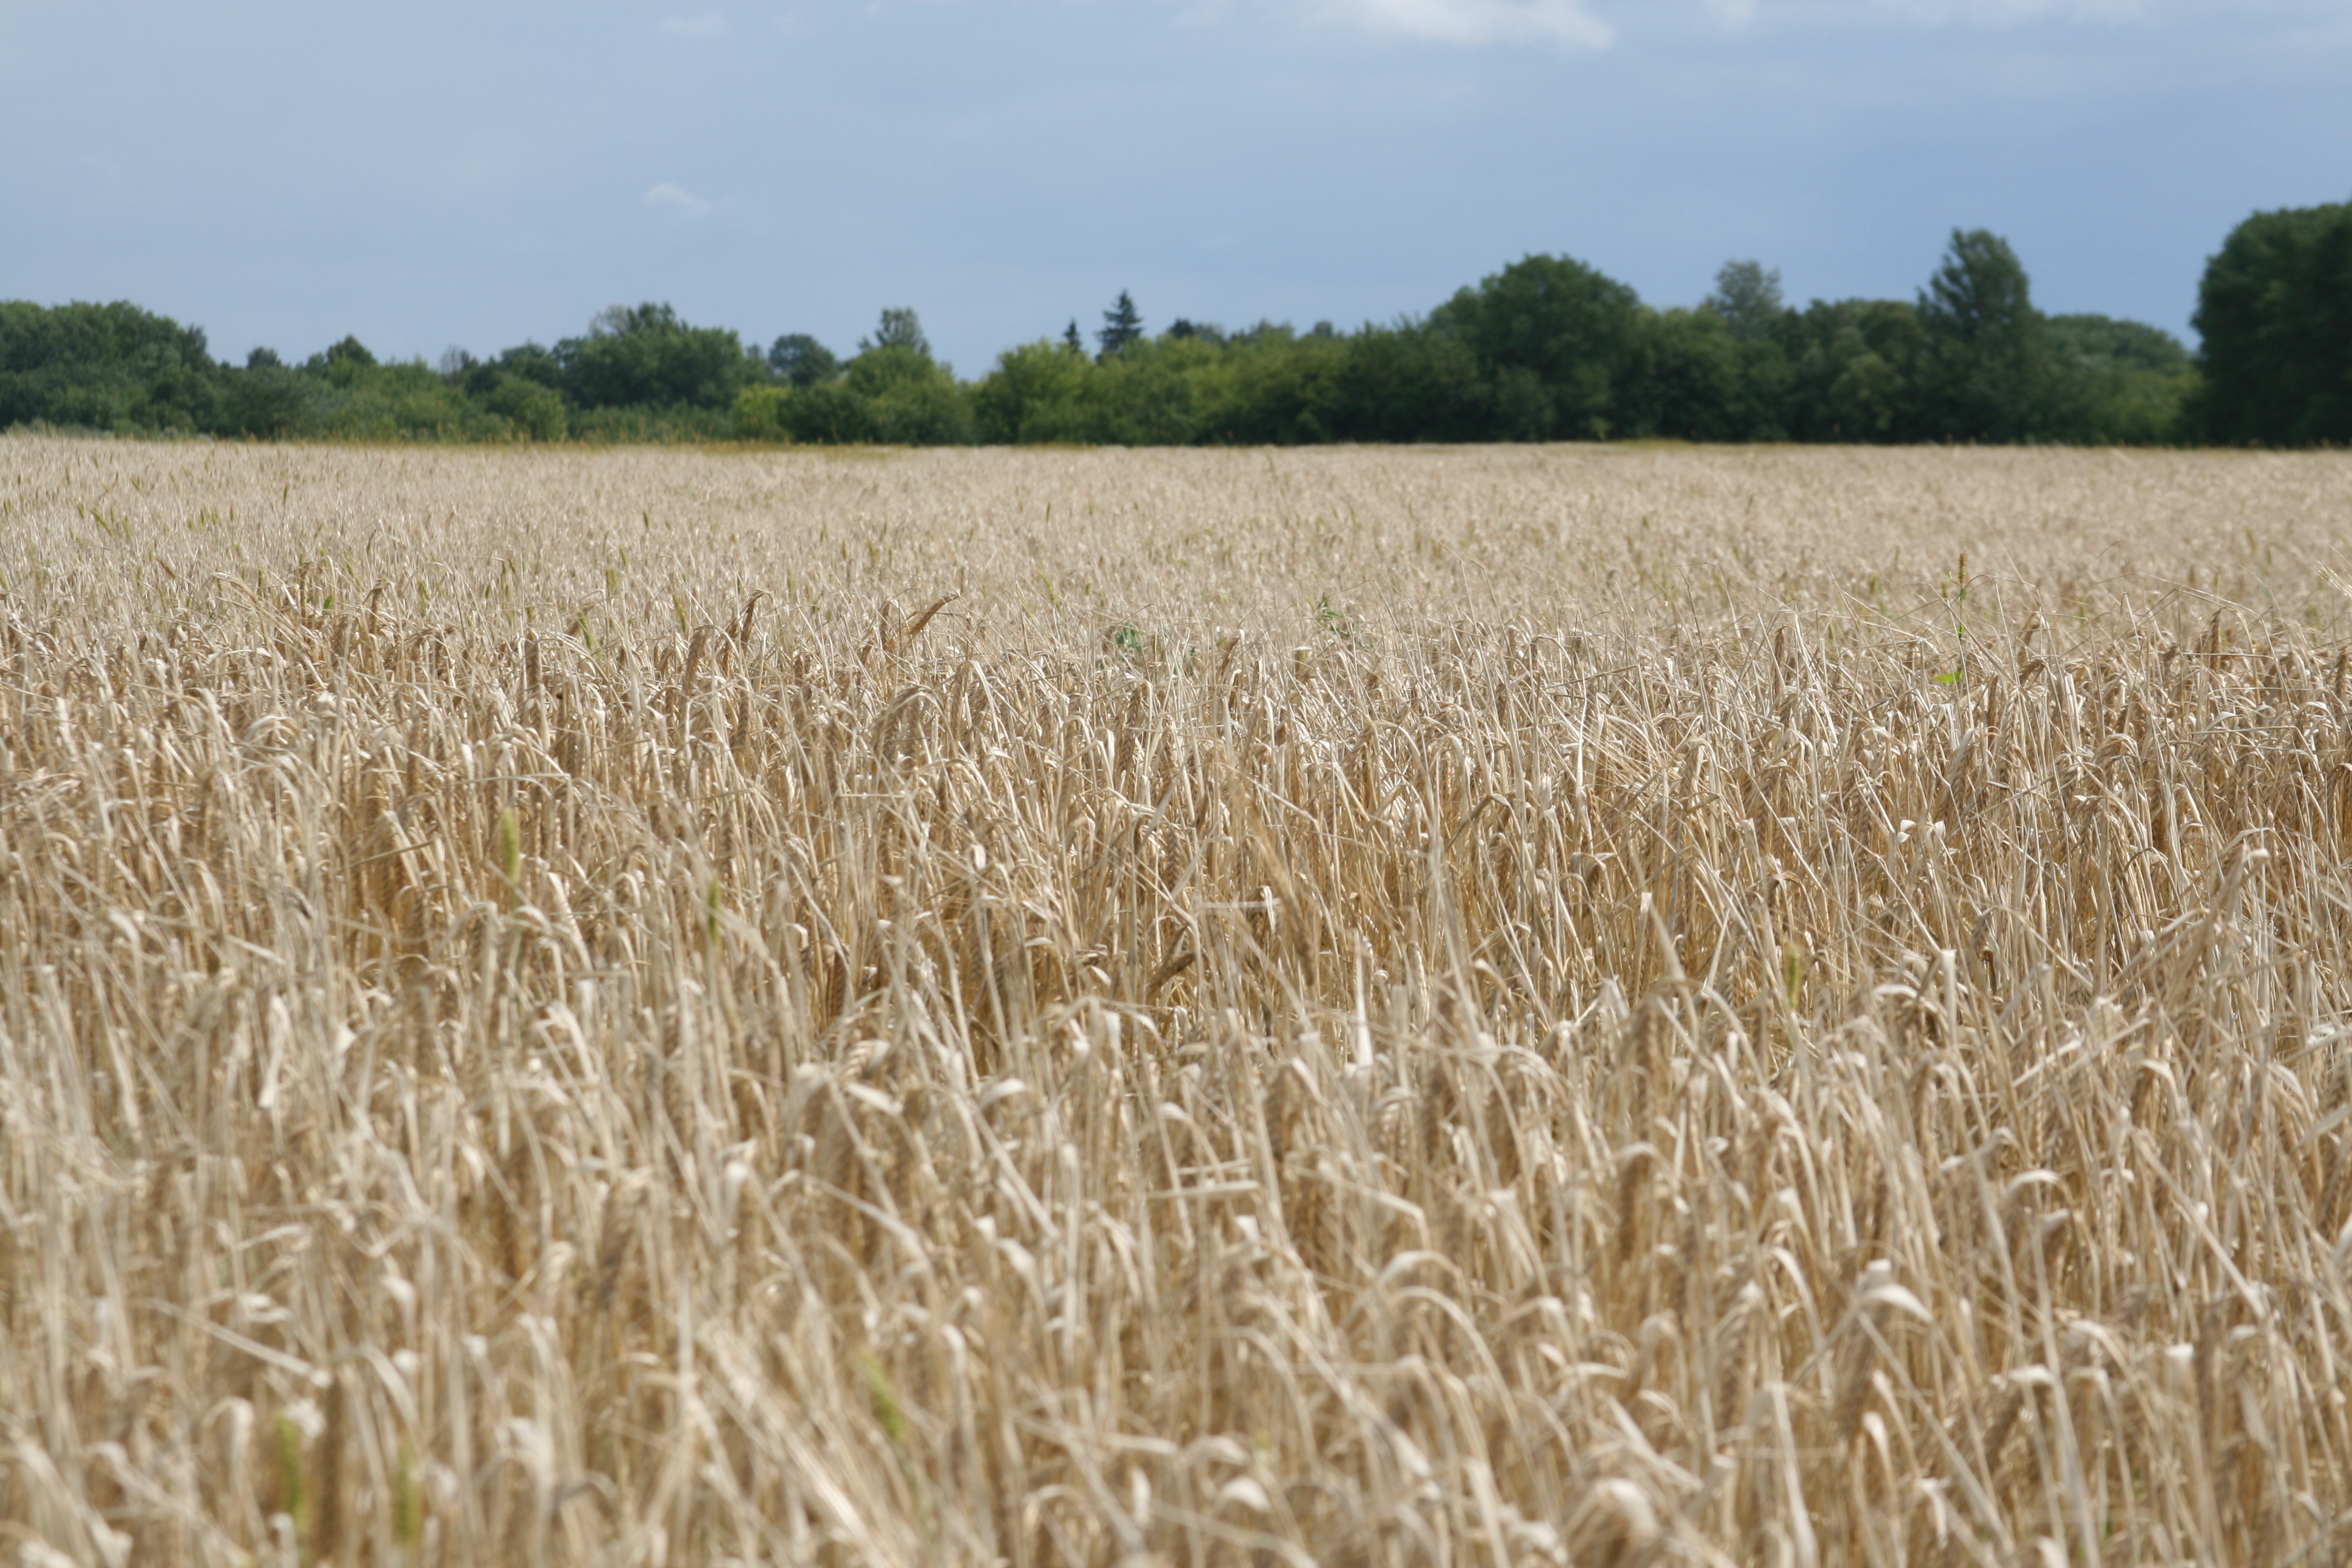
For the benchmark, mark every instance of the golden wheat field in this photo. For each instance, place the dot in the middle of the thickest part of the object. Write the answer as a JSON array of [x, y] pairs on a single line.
[[1510, 1008]]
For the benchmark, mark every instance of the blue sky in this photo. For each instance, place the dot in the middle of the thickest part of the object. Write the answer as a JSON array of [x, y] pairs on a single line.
[[433, 174]]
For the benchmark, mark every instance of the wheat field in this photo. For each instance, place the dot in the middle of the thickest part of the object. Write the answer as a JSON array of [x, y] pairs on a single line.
[[1492, 1006]]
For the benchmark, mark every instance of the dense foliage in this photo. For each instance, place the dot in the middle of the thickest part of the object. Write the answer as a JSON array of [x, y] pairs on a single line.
[[1549, 349], [1546, 348], [2275, 312]]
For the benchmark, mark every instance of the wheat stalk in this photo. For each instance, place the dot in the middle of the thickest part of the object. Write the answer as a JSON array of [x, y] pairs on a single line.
[[1504, 1006]]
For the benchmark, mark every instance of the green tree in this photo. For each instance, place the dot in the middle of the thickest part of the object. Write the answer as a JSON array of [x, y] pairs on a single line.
[[1411, 383], [763, 413], [268, 399], [833, 412], [1153, 392], [1987, 371], [1557, 337], [531, 409], [1272, 386], [1122, 325], [1748, 297], [1853, 372], [2275, 313], [2117, 382], [644, 356], [1038, 392], [103, 367], [802, 361], [348, 357], [892, 390], [532, 362], [1687, 380], [899, 328]]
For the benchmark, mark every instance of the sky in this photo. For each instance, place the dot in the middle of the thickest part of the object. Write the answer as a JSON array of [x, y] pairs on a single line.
[[430, 175]]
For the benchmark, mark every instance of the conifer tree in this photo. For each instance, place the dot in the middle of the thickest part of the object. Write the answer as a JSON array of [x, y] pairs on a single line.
[[1121, 326]]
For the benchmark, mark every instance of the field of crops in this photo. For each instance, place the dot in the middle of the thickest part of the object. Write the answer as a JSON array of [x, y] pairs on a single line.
[[1509, 1006]]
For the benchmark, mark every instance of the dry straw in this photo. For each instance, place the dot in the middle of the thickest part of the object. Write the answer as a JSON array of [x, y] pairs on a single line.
[[1500, 1007]]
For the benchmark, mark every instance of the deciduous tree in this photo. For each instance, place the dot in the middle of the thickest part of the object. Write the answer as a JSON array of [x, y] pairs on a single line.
[[2274, 311]]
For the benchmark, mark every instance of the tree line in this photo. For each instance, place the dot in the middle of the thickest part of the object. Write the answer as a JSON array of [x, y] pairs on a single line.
[[1546, 348]]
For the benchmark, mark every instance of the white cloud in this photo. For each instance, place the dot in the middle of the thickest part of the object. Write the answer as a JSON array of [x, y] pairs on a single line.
[[1475, 22], [676, 199], [707, 25]]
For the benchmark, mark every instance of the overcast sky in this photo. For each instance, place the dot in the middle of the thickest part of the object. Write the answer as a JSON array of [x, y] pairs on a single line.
[[430, 175]]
